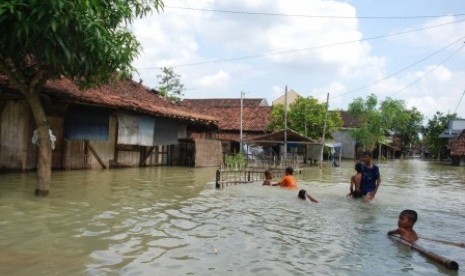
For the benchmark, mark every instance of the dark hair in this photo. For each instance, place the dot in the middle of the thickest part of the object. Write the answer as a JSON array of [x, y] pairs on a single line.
[[358, 167], [367, 153], [289, 170], [267, 172], [411, 214], [302, 194]]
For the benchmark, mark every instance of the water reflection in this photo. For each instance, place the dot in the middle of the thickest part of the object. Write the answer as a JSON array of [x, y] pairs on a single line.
[[173, 221]]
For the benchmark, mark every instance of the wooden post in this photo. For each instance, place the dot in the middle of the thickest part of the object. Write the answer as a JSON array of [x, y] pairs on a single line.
[[449, 264], [218, 178], [94, 153]]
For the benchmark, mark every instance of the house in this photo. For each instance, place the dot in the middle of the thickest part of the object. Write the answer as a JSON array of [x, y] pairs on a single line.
[[291, 98], [457, 149], [256, 114], [349, 148], [341, 136], [115, 125], [454, 129]]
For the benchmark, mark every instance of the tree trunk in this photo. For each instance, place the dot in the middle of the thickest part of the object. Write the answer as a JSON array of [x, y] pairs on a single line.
[[44, 150]]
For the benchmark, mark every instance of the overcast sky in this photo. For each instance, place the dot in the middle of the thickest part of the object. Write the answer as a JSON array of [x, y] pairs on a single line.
[[411, 50]]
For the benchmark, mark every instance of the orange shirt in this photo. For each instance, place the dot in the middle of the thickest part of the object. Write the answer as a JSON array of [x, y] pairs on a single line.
[[288, 181]]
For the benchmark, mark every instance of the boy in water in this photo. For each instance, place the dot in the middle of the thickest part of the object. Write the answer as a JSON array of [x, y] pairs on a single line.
[[371, 178], [268, 177], [303, 194], [407, 219], [355, 182], [288, 181]]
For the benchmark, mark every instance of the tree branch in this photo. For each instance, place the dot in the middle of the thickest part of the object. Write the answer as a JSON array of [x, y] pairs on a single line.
[[13, 76]]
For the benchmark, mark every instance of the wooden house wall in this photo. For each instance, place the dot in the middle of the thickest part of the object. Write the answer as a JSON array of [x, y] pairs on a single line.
[[18, 153], [14, 135], [208, 153]]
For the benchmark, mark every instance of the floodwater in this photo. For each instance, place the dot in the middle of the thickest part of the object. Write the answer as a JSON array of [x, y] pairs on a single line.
[[173, 221]]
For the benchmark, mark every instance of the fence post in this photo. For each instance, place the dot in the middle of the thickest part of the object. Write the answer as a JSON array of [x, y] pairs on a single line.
[[218, 178]]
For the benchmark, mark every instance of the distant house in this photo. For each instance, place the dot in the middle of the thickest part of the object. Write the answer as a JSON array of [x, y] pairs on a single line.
[[454, 129], [349, 147], [116, 125], [291, 98], [256, 114], [457, 149], [342, 137]]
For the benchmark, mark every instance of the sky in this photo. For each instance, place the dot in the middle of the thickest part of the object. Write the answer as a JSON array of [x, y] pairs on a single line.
[[407, 50]]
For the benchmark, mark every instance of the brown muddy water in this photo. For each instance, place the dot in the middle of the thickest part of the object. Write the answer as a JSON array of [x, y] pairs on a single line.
[[173, 221]]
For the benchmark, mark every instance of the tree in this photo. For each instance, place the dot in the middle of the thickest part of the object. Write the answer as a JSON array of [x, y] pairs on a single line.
[[370, 130], [306, 116], [170, 85], [433, 129], [86, 41], [401, 122], [389, 118]]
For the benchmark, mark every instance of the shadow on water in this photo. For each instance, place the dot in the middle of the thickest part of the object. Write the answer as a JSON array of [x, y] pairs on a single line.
[[167, 220]]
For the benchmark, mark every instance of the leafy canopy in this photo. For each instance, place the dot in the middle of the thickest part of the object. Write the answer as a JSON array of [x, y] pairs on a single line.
[[306, 116], [433, 129], [390, 117], [169, 84], [86, 40]]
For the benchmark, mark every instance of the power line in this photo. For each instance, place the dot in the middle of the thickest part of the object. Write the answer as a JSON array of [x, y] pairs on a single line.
[[312, 16], [459, 102], [401, 70], [304, 49], [429, 71]]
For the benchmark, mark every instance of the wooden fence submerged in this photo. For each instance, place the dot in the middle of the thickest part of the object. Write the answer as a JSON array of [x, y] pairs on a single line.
[[227, 175]]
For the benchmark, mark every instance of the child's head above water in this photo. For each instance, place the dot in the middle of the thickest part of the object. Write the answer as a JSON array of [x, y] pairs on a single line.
[[289, 171], [358, 167], [407, 218], [302, 194], [268, 174]]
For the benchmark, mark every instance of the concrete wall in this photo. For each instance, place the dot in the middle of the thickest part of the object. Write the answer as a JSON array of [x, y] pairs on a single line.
[[347, 143], [208, 153]]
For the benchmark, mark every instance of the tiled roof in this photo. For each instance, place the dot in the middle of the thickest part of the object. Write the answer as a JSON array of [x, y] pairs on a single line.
[[291, 136], [228, 113], [125, 94], [348, 121], [225, 102]]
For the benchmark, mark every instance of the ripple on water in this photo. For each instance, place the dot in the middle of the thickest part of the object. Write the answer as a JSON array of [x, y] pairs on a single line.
[[173, 221]]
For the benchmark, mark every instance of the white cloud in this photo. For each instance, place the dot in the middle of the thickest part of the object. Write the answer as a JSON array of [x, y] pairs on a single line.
[[216, 81], [245, 42]]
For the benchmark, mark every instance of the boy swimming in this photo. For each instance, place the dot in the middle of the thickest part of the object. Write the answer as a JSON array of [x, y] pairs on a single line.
[[407, 219]]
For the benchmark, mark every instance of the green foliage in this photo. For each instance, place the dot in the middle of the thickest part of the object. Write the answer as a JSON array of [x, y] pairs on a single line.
[[389, 118], [370, 130], [433, 129], [235, 161], [306, 116], [170, 85], [87, 41]]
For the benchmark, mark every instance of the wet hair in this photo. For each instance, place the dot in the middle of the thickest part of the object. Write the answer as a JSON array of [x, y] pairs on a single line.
[[358, 167], [267, 173], [367, 154], [289, 170], [302, 194], [410, 214]]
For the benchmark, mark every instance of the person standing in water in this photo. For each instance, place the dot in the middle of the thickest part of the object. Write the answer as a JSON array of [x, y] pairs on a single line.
[[288, 181], [371, 178]]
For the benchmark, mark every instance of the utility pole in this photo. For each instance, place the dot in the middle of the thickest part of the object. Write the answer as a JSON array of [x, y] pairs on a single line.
[[285, 124], [242, 111], [324, 132]]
